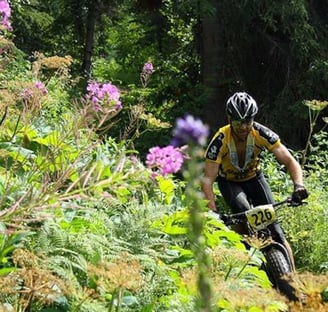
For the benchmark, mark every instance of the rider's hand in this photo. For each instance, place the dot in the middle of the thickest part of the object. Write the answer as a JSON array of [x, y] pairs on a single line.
[[212, 206], [299, 193]]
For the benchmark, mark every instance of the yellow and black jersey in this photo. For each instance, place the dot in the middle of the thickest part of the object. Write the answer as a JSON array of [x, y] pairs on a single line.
[[222, 150]]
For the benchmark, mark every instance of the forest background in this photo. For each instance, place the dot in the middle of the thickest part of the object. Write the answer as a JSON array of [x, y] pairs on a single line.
[[81, 210], [203, 51]]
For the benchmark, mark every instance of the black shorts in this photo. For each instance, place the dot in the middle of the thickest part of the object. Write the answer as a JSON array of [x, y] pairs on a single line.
[[238, 196]]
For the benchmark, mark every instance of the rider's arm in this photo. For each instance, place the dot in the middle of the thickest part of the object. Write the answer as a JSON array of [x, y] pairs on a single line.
[[211, 171], [286, 158]]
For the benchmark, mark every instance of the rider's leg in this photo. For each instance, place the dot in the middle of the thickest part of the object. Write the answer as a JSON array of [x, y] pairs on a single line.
[[236, 199], [234, 195]]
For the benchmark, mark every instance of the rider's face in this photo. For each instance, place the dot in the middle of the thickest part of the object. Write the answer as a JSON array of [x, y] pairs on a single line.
[[242, 127]]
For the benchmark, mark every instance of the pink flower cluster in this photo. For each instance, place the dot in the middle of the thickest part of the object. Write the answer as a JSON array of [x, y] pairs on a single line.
[[146, 72], [103, 94], [38, 88], [166, 160], [5, 13], [148, 68]]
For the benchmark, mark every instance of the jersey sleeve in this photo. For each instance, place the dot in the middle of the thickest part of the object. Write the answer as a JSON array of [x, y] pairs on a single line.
[[212, 152], [267, 138]]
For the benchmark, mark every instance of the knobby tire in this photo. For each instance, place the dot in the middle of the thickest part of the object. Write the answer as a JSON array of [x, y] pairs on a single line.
[[279, 267]]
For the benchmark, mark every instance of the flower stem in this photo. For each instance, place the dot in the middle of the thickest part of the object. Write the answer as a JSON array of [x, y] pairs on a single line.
[[195, 203]]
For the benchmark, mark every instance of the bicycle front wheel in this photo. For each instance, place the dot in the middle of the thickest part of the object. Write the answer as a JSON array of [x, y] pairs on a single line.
[[279, 267]]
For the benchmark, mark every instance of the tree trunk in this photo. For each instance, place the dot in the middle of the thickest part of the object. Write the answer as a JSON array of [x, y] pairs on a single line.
[[93, 14], [212, 55]]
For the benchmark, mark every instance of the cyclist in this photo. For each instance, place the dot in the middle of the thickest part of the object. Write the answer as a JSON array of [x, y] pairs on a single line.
[[232, 159]]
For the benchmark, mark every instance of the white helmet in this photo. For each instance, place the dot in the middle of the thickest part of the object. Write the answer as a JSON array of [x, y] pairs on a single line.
[[241, 106]]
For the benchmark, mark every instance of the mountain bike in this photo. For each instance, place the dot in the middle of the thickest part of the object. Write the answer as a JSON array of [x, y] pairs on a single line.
[[278, 264]]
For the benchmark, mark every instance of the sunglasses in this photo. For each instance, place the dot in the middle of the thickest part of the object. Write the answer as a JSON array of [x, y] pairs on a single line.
[[240, 122]]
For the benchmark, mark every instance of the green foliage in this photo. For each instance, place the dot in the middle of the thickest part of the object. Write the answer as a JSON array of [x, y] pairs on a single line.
[[8, 243], [317, 156], [122, 49], [277, 51], [106, 235], [167, 40], [27, 18], [305, 227]]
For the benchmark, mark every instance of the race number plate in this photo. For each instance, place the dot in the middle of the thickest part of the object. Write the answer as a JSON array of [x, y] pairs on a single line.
[[261, 216]]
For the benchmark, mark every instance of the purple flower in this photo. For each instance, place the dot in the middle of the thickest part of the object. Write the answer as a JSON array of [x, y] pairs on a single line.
[[118, 106], [34, 91], [93, 87], [148, 68], [146, 72], [167, 159], [26, 94], [111, 93], [39, 85], [189, 130], [105, 93], [5, 13]]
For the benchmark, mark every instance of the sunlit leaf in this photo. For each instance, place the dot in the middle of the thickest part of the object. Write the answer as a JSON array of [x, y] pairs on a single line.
[[166, 186]]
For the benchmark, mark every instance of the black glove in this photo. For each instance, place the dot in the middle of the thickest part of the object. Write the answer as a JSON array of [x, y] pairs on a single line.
[[299, 193]]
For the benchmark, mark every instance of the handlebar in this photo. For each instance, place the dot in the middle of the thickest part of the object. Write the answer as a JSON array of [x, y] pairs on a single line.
[[289, 202], [240, 217]]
